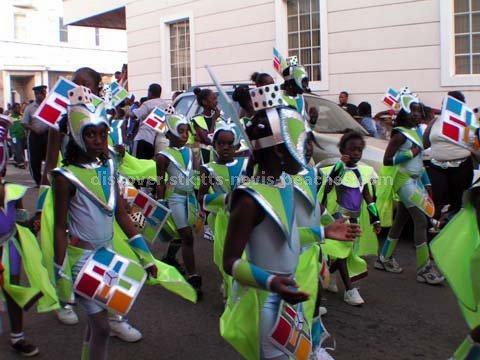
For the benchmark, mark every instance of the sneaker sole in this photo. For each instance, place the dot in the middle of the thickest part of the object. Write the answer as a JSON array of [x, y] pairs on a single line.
[[115, 334], [31, 354], [379, 266], [354, 304], [422, 280]]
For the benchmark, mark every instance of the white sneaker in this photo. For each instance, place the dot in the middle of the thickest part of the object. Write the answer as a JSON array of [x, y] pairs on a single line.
[[332, 287], [66, 315], [123, 330], [352, 297], [387, 264], [322, 354], [208, 233], [429, 275], [322, 310]]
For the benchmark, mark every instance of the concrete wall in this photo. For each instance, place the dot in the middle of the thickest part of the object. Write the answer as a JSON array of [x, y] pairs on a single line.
[[371, 45]]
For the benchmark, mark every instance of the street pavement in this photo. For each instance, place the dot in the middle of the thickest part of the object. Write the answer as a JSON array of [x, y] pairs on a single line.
[[401, 319]]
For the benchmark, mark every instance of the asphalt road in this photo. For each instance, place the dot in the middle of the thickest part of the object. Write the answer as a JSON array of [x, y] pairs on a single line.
[[401, 319]]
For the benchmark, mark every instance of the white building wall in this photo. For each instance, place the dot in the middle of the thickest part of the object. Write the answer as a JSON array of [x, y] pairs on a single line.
[[371, 45], [41, 51]]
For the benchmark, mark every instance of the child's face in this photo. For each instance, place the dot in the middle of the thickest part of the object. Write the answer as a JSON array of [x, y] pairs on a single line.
[[224, 145], [95, 139], [211, 101], [183, 134], [415, 114], [354, 149]]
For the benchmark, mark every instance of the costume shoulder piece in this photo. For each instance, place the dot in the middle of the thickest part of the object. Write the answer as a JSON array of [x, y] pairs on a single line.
[[410, 134], [277, 201], [306, 184], [200, 121], [181, 158], [231, 174], [97, 182]]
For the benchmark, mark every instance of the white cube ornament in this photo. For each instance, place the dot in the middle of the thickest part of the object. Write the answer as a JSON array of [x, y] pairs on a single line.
[[80, 95], [266, 97]]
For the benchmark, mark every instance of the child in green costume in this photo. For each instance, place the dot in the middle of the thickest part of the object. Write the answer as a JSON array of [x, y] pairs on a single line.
[[459, 260], [352, 183], [19, 249], [223, 176], [403, 173], [262, 224]]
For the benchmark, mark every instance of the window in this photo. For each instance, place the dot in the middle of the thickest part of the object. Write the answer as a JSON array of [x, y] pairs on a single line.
[[20, 26], [304, 38], [180, 55], [63, 29], [97, 36], [467, 36]]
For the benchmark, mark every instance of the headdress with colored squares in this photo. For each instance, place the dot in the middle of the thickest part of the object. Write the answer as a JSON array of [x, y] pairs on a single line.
[[289, 69], [287, 125], [174, 121], [398, 100], [82, 113]]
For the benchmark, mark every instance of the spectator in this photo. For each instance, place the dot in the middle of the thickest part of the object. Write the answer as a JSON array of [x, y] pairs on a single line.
[[343, 103], [37, 134], [17, 133], [118, 76], [312, 116], [451, 167], [175, 94], [365, 113], [144, 140]]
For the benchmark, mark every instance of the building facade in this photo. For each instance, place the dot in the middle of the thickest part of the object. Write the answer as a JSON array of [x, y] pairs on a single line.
[[36, 47], [362, 46]]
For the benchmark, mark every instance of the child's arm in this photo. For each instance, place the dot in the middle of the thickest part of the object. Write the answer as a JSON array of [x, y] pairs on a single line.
[[372, 209], [204, 198], [62, 194], [162, 165], [53, 148], [393, 156], [136, 241], [244, 215]]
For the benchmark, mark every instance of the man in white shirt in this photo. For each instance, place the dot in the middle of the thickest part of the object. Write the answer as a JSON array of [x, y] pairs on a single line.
[[144, 140]]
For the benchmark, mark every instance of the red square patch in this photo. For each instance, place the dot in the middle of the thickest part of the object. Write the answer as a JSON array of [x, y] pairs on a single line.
[[451, 131], [49, 114], [282, 332], [88, 285]]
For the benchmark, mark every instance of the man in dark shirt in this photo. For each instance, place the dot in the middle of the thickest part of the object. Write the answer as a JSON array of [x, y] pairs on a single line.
[[343, 103], [37, 134]]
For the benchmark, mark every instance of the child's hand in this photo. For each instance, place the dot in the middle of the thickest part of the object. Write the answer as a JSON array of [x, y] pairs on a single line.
[[340, 231], [415, 150], [282, 285], [120, 149], [377, 228], [345, 158], [152, 271]]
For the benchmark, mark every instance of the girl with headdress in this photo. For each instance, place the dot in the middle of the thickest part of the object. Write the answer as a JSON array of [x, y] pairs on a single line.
[[403, 168], [263, 225], [86, 201], [353, 199], [19, 249], [222, 176], [178, 163]]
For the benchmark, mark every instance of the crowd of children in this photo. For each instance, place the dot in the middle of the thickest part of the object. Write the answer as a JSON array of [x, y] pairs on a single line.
[[279, 223]]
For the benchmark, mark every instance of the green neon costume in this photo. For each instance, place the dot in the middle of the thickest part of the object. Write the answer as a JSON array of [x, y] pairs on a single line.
[[239, 324], [40, 288], [167, 276], [367, 243]]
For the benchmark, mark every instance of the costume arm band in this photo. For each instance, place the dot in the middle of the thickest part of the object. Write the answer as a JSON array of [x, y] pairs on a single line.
[[467, 350], [214, 202], [251, 275], [42, 194], [426, 178], [338, 170], [141, 249], [311, 235], [373, 211], [402, 156]]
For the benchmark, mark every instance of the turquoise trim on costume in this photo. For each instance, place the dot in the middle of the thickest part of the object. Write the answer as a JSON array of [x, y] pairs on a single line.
[[214, 202], [249, 274], [425, 178], [185, 151], [389, 247], [402, 156], [235, 171], [42, 195], [103, 174]]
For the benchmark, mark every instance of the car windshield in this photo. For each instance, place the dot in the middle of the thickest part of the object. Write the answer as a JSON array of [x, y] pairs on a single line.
[[183, 104], [331, 117]]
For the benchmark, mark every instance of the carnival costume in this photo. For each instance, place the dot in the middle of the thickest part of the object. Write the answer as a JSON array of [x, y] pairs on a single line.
[[347, 201]]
